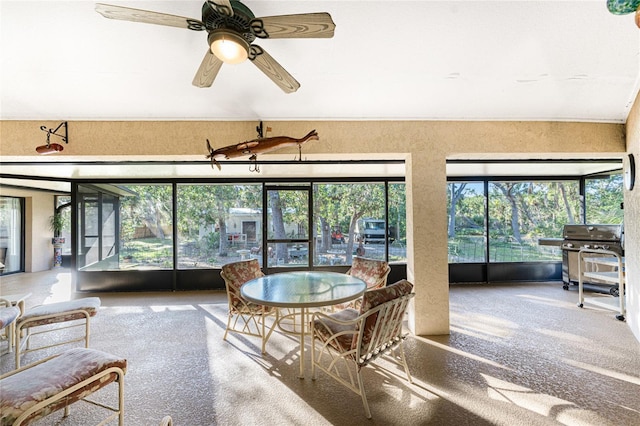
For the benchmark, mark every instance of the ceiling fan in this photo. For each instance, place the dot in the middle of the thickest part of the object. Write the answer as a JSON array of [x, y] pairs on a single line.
[[232, 28]]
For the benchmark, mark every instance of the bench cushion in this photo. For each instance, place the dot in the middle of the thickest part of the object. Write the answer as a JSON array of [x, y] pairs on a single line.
[[88, 304], [8, 315], [26, 388], [327, 329]]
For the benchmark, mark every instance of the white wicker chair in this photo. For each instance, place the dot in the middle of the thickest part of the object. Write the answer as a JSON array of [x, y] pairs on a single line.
[[245, 317], [166, 421], [344, 342], [372, 271]]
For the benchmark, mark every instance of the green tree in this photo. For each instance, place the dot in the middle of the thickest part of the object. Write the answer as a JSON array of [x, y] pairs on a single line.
[[604, 196], [206, 205], [151, 206], [348, 201], [456, 193], [398, 209]]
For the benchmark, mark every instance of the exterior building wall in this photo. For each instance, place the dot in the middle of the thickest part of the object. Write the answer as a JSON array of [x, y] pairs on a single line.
[[424, 145]]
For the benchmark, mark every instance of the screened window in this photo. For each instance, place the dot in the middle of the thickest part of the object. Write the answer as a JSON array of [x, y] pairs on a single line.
[[349, 219], [132, 226], [218, 224], [146, 227], [288, 226], [522, 212], [519, 213], [397, 223], [466, 229], [125, 227], [603, 198]]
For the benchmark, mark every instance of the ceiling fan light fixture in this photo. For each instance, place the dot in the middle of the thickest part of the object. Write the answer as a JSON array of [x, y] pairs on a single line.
[[229, 47]]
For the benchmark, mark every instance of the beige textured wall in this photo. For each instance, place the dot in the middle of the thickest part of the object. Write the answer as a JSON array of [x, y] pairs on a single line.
[[424, 144], [632, 225]]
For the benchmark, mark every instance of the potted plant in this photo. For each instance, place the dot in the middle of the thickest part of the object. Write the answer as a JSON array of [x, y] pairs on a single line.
[[56, 224]]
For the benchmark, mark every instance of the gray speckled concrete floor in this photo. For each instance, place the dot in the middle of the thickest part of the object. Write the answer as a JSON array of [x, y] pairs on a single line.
[[518, 354]]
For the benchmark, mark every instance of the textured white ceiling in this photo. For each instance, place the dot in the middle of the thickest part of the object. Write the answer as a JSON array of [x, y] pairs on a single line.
[[453, 60]]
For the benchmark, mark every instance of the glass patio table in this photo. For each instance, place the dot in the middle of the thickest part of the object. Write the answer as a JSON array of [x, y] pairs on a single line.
[[303, 290]]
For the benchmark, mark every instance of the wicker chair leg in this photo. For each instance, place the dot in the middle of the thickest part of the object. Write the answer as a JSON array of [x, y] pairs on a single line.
[[404, 363], [363, 395], [264, 336], [226, 330]]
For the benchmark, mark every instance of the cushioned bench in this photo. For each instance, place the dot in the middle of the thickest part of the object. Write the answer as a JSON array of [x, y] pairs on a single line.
[[73, 310], [37, 390], [8, 316]]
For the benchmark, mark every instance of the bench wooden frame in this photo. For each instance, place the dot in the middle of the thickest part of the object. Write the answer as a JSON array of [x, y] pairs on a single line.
[[77, 317]]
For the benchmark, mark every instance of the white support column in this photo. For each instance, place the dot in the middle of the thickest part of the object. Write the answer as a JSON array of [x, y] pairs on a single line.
[[427, 262]]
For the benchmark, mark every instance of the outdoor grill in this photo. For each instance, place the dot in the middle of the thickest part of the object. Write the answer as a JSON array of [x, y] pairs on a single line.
[[577, 237]]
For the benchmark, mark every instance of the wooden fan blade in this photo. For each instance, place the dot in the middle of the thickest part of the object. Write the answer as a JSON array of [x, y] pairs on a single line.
[[305, 25], [207, 71], [148, 17], [273, 69], [223, 7]]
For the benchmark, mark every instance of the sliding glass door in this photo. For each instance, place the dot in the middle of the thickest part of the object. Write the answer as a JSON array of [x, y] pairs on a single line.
[[287, 217], [11, 235]]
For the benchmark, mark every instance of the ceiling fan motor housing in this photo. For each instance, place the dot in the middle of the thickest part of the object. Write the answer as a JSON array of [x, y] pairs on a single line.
[[215, 19]]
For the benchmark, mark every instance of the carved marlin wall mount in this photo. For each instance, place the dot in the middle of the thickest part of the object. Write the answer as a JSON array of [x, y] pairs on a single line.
[[256, 146]]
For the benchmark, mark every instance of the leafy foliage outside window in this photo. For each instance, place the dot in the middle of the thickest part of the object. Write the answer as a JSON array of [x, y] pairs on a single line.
[[398, 222], [221, 223], [338, 207], [522, 212], [466, 216], [216, 221], [146, 221], [603, 198], [288, 219]]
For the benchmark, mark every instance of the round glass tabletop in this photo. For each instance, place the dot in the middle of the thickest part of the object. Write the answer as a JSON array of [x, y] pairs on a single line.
[[303, 289]]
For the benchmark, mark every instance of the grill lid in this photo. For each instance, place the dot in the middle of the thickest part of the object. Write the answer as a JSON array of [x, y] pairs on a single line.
[[593, 232]]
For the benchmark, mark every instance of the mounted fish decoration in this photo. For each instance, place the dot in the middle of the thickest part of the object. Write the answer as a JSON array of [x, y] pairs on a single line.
[[624, 7], [256, 146]]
